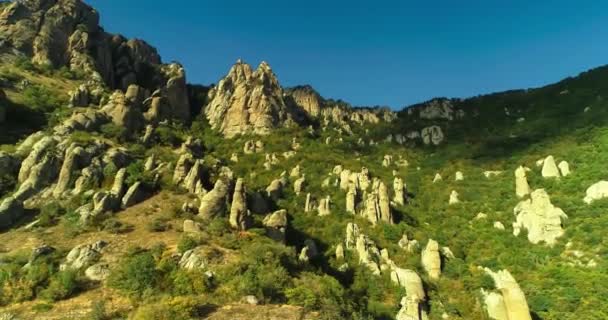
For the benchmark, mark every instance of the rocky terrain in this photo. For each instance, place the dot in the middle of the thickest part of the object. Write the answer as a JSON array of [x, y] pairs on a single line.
[[128, 193]]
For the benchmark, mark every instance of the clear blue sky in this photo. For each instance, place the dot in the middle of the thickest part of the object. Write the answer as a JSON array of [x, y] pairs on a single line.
[[375, 52]]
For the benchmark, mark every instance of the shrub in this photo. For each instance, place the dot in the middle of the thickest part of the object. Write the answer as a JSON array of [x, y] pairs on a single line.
[[112, 131], [321, 293], [50, 213], [115, 226], [186, 243], [158, 225], [63, 284], [135, 274]]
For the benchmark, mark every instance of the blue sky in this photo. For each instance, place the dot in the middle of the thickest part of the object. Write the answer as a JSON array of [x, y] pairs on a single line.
[[381, 52]]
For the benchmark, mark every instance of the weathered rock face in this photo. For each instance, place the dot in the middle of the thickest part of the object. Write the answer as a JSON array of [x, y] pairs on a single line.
[[74, 161], [214, 203], [540, 218], [240, 217], [510, 303], [596, 192], [247, 101], [431, 259], [550, 169], [522, 188], [11, 210]]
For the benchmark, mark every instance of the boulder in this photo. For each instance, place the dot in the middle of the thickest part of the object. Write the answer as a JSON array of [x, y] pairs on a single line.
[[240, 217], [193, 260], [459, 176], [437, 178], [275, 190], [454, 198], [214, 203], [309, 251], [550, 169], [431, 259], [98, 272], [522, 188], [540, 217], [564, 168], [276, 225], [84, 255], [11, 210], [118, 187], [191, 226], [596, 192]]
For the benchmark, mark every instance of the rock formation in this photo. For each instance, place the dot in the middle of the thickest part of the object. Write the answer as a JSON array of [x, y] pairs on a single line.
[[276, 225], [550, 169], [213, 204], [84, 255], [247, 101], [400, 191], [240, 217], [596, 192], [431, 259], [324, 207], [377, 204], [432, 135], [522, 188], [454, 198], [541, 218], [564, 168], [510, 303], [411, 304]]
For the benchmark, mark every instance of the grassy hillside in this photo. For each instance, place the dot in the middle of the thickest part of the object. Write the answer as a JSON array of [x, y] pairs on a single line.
[[145, 282]]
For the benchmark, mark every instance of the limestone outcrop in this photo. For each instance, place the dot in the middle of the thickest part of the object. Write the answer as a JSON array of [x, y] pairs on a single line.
[[540, 217], [377, 204]]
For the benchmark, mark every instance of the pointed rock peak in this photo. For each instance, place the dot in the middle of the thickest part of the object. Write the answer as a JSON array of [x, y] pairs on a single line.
[[240, 71], [265, 67], [265, 74]]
